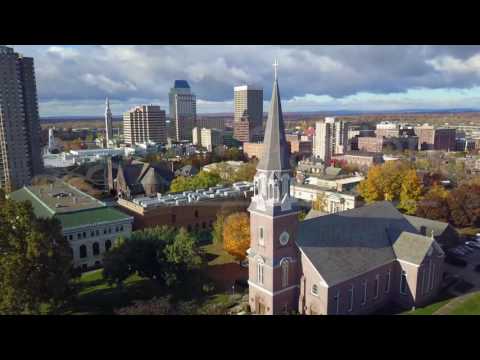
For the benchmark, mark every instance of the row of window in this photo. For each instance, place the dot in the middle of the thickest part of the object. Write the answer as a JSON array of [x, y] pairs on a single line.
[[284, 264], [197, 226], [93, 233], [364, 290], [95, 249]]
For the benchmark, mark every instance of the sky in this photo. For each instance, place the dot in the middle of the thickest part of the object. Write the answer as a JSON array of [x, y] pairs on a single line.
[[74, 80]]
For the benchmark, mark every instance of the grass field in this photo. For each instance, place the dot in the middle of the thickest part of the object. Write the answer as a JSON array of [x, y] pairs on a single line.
[[96, 296], [427, 310], [471, 306]]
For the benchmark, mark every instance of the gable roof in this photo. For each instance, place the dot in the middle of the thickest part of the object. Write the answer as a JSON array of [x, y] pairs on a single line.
[[428, 225], [346, 244]]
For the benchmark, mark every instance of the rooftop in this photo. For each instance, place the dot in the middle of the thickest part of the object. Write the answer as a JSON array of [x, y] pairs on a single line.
[[61, 198], [181, 84], [86, 212]]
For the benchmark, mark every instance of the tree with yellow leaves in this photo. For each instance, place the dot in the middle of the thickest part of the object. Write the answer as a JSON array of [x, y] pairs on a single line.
[[384, 182], [320, 203], [236, 235], [411, 192]]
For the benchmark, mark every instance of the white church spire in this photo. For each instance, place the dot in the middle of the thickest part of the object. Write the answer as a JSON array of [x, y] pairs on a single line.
[[108, 123]]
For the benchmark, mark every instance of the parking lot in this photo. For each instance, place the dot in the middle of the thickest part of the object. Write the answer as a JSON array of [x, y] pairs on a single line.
[[468, 272]]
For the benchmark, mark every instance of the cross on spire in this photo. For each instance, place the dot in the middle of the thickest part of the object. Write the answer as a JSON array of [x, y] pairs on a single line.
[[275, 67]]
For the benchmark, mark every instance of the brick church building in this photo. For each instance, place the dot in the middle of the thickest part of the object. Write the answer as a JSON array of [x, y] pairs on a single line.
[[352, 262]]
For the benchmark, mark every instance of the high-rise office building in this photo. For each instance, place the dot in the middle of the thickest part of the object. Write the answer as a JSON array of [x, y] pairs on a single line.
[[183, 110], [331, 137], [20, 155], [248, 102], [108, 124], [145, 123]]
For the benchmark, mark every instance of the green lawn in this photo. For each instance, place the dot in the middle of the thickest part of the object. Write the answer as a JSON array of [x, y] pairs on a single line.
[[216, 255], [427, 310], [471, 306], [97, 297]]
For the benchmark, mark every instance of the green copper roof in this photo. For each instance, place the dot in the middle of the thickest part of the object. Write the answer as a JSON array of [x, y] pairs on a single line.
[[70, 219], [38, 208], [91, 217]]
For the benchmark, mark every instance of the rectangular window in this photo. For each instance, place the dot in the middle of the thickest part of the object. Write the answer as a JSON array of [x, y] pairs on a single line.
[[315, 289], [387, 282], [350, 298], [261, 236], [260, 273], [364, 295], [403, 283], [337, 302], [432, 282], [376, 285]]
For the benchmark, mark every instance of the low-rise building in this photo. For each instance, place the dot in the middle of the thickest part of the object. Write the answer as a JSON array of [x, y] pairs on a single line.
[[89, 225], [361, 159], [252, 150], [334, 201], [370, 144], [192, 210]]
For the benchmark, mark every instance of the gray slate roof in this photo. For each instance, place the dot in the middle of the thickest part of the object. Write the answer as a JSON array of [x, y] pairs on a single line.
[[428, 225], [275, 151], [344, 245]]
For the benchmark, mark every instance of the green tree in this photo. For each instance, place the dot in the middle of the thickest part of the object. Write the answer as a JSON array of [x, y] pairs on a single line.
[[162, 253], [217, 232], [202, 180], [35, 262], [411, 192]]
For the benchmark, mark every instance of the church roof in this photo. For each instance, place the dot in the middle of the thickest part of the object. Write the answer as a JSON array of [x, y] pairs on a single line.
[[344, 245], [275, 152]]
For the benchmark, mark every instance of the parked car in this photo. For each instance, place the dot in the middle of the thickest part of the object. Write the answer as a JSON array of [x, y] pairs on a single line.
[[465, 249], [473, 244]]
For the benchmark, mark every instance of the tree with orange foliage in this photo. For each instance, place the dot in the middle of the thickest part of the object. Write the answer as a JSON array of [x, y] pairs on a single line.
[[236, 235]]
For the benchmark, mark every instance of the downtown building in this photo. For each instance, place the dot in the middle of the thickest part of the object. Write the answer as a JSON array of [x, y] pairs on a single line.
[[20, 155], [207, 138], [183, 110], [144, 124], [248, 115], [331, 137]]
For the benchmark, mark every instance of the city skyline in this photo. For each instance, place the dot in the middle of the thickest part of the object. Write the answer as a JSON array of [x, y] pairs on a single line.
[[74, 80]]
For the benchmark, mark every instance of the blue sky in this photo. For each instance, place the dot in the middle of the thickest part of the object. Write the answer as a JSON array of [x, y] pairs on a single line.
[[74, 80]]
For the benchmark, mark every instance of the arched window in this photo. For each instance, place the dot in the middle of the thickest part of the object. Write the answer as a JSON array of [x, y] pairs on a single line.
[[83, 251], [260, 272], [196, 213], [261, 238], [96, 248], [108, 245], [284, 266]]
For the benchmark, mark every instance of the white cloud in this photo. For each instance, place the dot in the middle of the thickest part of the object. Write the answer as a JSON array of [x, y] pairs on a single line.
[[454, 65], [63, 52]]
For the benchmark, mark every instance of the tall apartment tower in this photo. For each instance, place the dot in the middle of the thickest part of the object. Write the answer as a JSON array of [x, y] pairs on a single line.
[[331, 137], [273, 256], [183, 110], [20, 155], [248, 118], [145, 123], [108, 124]]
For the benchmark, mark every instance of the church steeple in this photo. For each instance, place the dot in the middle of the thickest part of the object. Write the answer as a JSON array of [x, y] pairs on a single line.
[[108, 123], [275, 152]]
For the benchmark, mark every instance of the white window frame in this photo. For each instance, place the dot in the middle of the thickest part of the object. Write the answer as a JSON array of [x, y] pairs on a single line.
[[261, 236], [389, 276], [285, 268], [314, 293], [260, 274], [365, 286], [401, 282], [351, 290], [376, 291]]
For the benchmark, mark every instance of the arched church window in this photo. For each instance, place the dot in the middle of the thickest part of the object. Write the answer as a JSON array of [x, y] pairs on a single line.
[[260, 272], [284, 266], [96, 248], [261, 238]]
